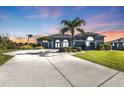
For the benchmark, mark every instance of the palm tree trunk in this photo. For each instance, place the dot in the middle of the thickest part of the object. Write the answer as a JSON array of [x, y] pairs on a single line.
[[28, 40], [72, 41]]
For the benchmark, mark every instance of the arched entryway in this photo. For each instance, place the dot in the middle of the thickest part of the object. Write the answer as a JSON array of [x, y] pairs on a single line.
[[65, 43], [57, 43], [90, 42]]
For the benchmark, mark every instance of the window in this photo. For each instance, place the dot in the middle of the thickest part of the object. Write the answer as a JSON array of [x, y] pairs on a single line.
[[90, 38], [57, 43], [65, 43], [113, 44]]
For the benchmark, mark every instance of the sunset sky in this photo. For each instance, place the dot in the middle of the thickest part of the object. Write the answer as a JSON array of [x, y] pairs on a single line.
[[19, 21]]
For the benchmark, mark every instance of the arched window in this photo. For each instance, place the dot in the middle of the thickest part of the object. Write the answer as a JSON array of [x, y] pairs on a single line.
[[65, 43], [57, 43], [90, 38]]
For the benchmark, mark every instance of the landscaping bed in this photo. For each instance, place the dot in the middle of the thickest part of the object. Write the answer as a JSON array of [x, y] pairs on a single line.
[[112, 59]]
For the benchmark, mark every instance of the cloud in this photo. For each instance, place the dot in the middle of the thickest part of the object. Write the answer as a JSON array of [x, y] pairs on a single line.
[[24, 39], [100, 25], [112, 35], [45, 12], [21, 39], [99, 16], [53, 30], [110, 13]]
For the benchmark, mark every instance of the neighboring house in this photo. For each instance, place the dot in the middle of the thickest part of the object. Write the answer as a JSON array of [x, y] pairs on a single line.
[[118, 43], [87, 41]]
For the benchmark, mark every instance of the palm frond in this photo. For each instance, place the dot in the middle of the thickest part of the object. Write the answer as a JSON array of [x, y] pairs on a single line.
[[83, 22], [80, 30], [75, 20], [63, 30], [66, 23]]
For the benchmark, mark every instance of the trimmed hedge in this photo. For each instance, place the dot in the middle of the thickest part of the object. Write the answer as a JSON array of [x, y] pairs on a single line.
[[26, 47], [39, 47], [70, 49], [101, 47], [31, 47], [105, 46], [79, 49]]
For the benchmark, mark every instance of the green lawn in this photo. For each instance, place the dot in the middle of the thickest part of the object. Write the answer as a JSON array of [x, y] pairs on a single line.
[[4, 58], [112, 59]]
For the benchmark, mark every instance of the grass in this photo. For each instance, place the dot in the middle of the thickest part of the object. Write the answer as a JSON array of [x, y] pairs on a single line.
[[112, 59], [4, 58]]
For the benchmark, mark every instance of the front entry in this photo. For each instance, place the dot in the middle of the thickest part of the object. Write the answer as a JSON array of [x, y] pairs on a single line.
[[90, 43], [57, 43], [65, 43]]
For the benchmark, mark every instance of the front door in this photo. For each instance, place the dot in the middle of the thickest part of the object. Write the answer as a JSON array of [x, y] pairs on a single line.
[[57, 43]]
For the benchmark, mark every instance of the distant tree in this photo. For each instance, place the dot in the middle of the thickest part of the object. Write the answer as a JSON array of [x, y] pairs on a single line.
[[43, 38], [29, 36], [72, 26]]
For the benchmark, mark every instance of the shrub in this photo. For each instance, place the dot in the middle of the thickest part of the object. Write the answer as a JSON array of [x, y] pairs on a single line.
[[39, 47], [101, 47], [74, 50], [61, 49], [70, 49], [79, 49], [107, 46], [65, 49], [26, 47], [121, 47], [34, 45]]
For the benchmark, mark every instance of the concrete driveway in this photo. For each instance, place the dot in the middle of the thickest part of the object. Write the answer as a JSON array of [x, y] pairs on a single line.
[[46, 68]]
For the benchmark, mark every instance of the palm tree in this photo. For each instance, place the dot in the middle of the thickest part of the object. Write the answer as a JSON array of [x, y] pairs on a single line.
[[29, 36], [72, 26]]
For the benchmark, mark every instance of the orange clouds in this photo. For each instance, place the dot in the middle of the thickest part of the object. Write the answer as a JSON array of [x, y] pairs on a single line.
[[112, 35], [22, 39]]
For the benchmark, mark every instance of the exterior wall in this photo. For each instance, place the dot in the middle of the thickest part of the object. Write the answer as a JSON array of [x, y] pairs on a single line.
[[117, 45], [100, 40], [79, 41], [41, 42], [61, 42]]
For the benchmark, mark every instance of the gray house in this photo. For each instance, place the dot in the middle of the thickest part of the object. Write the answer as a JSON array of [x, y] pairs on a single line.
[[118, 43], [87, 41]]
